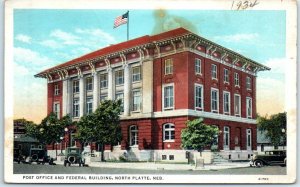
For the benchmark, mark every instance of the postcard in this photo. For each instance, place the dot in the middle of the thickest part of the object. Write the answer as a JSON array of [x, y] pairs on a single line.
[[153, 92]]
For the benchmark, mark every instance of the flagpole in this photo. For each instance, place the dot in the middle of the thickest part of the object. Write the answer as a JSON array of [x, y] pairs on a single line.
[[128, 26]]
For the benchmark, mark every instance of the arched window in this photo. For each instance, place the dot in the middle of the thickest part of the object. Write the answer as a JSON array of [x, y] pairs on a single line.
[[133, 135], [169, 132]]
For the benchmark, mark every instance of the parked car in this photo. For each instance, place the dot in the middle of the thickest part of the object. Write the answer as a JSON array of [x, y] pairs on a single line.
[[39, 156], [269, 158], [18, 157], [73, 156]]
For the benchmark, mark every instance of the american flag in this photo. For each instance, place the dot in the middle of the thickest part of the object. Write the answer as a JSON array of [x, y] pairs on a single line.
[[121, 20]]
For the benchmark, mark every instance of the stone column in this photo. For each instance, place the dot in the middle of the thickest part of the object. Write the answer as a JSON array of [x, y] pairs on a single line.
[[65, 96], [81, 96], [96, 91], [127, 82], [110, 84], [147, 78]]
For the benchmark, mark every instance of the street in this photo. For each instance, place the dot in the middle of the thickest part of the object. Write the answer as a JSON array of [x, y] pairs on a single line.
[[60, 169]]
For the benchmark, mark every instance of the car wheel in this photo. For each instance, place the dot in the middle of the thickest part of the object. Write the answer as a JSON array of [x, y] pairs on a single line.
[[258, 163], [69, 164]]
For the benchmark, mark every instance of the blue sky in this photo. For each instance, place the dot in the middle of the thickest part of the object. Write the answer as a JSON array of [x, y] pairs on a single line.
[[47, 37]]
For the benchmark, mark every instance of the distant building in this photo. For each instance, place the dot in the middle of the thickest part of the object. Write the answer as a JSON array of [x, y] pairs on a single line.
[[163, 80], [264, 144]]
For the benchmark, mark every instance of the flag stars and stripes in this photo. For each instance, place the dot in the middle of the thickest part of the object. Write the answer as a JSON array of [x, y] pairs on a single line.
[[121, 20]]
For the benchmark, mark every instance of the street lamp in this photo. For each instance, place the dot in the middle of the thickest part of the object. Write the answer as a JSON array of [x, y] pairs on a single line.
[[61, 139], [283, 131]]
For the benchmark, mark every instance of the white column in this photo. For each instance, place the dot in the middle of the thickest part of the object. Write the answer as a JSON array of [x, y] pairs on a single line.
[[65, 100], [127, 82], [147, 78], [96, 91], [81, 96], [110, 84]]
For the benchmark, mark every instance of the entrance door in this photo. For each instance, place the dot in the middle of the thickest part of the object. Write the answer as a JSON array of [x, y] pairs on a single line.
[[249, 139], [226, 138]]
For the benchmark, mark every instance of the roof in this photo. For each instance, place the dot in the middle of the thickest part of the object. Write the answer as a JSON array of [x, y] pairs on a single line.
[[144, 40]]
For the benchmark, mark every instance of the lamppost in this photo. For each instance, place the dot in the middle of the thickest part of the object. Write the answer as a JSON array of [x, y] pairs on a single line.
[[284, 136], [61, 139]]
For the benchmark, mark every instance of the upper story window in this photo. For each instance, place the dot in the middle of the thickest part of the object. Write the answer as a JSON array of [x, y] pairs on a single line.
[[136, 74], [236, 79], [103, 81], [89, 105], [120, 95], [103, 97], [89, 84], [119, 77], [168, 97], [76, 107], [56, 109], [214, 71], [237, 105], [75, 86], [198, 97], [56, 89], [226, 102], [214, 100], [248, 83], [249, 107], [226, 75], [136, 100], [197, 66], [168, 66], [169, 132], [133, 135]]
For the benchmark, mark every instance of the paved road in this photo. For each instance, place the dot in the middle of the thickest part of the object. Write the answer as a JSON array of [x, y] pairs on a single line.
[[59, 169]]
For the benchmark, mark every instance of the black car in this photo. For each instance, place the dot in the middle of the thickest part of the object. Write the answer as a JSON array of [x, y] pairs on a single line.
[[73, 156], [269, 158], [39, 156]]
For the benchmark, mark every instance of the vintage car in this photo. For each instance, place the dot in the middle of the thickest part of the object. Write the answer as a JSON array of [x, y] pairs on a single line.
[[269, 158], [18, 157], [73, 156], [39, 155]]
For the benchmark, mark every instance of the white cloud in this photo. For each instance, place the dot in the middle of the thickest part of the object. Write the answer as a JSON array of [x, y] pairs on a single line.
[[29, 57], [20, 70], [66, 38], [51, 43], [23, 38], [277, 65], [238, 37], [96, 34]]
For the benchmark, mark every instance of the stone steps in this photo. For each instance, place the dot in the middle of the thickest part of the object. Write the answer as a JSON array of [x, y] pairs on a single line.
[[218, 159]]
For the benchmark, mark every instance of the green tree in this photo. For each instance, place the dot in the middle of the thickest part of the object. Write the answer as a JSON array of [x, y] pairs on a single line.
[[274, 127], [198, 135], [102, 126]]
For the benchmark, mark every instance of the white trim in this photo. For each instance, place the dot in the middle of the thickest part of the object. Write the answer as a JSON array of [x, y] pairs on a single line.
[[234, 111], [226, 70], [164, 132], [249, 132], [226, 147], [248, 83], [218, 99], [202, 97], [236, 78], [247, 105], [226, 92], [212, 72], [171, 66], [200, 66], [163, 98]]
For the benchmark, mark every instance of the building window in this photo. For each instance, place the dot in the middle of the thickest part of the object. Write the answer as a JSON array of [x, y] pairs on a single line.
[[197, 66], [249, 139], [103, 81], [237, 105], [226, 102], [76, 86], [249, 107], [136, 74], [76, 108], [171, 157], [89, 84], [169, 132], [56, 89], [103, 97], [56, 109], [226, 137], [164, 157], [226, 75], [89, 105], [198, 97], [214, 100], [248, 83], [136, 100], [214, 71], [119, 77], [133, 135], [236, 79], [168, 95], [168, 66], [120, 95]]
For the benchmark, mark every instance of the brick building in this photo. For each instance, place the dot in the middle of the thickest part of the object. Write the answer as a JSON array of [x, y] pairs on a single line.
[[163, 80]]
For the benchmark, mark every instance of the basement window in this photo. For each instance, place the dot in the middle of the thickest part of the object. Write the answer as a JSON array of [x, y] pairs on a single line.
[[164, 157], [171, 157]]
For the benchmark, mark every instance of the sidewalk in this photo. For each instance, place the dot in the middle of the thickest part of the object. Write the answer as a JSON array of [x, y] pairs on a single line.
[[164, 166]]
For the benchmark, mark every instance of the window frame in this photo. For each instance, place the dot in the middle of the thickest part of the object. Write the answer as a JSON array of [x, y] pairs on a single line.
[[89, 105], [247, 107], [139, 108], [135, 142], [196, 97], [226, 75], [56, 89], [229, 104], [237, 114], [103, 95], [198, 67], [248, 83], [122, 99], [57, 112], [217, 100], [169, 132], [76, 88], [226, 136], [173, 97], [214, 71], [168, 66], [76, 109], [138, 74], [89, 84], [236, 79], [119, 80], [103, 80]]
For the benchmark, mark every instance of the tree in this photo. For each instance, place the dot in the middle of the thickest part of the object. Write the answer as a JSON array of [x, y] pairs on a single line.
[[274, 127], [198, 135], [102, 126]]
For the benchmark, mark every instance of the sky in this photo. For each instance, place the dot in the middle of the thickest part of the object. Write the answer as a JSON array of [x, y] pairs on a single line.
[[47, 37]]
